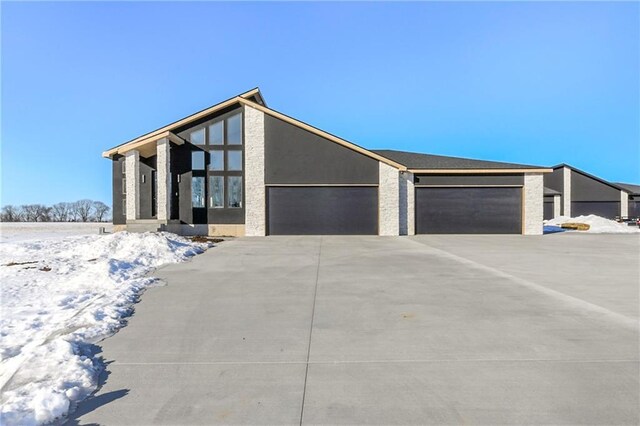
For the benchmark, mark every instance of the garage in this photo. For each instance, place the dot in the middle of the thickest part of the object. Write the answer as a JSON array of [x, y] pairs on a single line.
[[608, 209], [322, 210], [468, 210]]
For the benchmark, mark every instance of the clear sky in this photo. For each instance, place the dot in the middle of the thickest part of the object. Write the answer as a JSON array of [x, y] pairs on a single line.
[[536, 83]]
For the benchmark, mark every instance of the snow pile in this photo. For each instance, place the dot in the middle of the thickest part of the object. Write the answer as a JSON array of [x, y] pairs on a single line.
[[60, 296], [598, 225]]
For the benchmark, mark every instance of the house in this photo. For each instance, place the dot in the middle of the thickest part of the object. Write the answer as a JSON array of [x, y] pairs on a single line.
[[584, 194], [242, 168], [633, 202]]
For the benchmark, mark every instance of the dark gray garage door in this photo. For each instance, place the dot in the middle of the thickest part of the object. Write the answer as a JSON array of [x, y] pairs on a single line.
[[468, 210], [322, 210], [634, 208], [548, 208], [608, 209]]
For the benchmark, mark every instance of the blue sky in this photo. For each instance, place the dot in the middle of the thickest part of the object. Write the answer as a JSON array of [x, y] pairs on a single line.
[[535, 83]]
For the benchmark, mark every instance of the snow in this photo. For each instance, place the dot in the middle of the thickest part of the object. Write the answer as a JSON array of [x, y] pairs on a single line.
[[59, 296], [598, 225], [24, 231]]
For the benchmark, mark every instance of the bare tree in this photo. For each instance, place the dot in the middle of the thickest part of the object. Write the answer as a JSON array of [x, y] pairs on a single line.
[[82, 209], [32, 212], [60, 212], [100, 209], [11, 214]]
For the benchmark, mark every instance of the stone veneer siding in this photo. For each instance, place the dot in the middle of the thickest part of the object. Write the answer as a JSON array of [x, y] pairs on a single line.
[[255, 191], [557, 206], [388, 200], [132, 174], [164, 179], [407, 204], [566, 191], [533, 203], [624, 204]]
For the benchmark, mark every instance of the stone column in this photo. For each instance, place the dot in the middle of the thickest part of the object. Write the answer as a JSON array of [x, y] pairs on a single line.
[[533, 193], [132, 175], [388, 200], [624, 204], [407, 204], [255, 191], [566, 191], [557, 206], [163, 198]]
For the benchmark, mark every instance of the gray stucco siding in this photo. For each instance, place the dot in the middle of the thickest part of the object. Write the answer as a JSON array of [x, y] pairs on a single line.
[[554, 180], [296, 156], [119, 217], [584, 188], [471, 180]]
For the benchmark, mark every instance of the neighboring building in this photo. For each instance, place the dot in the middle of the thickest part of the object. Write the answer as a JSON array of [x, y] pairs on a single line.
[[584, 194], [552, 203], [633, 200], [241, 168]]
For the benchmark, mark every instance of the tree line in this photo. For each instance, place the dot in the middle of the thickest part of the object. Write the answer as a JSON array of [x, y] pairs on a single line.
[[77, 211]]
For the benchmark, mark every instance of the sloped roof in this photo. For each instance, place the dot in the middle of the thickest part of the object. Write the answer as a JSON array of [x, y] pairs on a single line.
[[414, 160], [589, 175], [631, 188], [549, 191]]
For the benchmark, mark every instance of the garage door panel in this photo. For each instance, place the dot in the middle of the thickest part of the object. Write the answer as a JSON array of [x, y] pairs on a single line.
[[548, 210], [608, 209], [322, 210], [483, 210]]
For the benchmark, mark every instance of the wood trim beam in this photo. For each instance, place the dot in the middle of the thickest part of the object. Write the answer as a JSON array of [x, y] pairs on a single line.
[[477, 171], [142, 143], [323, 134]]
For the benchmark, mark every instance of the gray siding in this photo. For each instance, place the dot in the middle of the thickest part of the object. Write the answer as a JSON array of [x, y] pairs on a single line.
[[584, 188], [119, 217], [554, 180], [147, 166], [471, 180], [296, 156]]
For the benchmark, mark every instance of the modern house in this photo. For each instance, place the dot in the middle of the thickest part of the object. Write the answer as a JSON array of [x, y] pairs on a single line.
[[242, 168], [584, 194]]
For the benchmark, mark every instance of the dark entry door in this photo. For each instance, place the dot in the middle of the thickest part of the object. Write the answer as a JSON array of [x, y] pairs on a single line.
[[467, 210], [324, 210]]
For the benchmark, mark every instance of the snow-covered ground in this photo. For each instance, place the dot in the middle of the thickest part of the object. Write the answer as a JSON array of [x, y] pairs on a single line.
[[60, 293], [21, 231], [598, 225]]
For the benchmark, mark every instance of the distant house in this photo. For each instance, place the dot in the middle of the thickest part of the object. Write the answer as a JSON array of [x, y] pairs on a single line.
[[242, 168], [583, 194], [634, 199]]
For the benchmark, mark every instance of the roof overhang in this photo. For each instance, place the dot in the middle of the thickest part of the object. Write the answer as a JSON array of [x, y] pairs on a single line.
[[477, 171], [163, 131], [146, 146]]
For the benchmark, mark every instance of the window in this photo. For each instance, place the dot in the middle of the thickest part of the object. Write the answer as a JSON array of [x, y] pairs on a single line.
[[124, 185], [197, 192], [216, 133], [124, 167], [217, 160], [235, 191], [197, 160], [197, 137], [124, 206], [234, 130], [216, 185], [234, 160]]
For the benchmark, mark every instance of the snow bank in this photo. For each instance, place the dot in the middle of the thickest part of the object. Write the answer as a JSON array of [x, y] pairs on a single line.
[[598, 225], [60, 296]]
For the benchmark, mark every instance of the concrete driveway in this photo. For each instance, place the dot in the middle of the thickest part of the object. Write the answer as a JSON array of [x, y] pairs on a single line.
[[408, 330]]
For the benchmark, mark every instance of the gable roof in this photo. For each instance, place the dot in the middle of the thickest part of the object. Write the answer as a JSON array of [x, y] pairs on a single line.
[[631, 188], [589, 175], [428, 163], [164, 131]]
